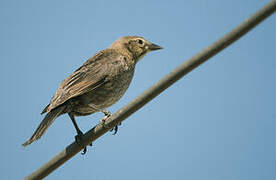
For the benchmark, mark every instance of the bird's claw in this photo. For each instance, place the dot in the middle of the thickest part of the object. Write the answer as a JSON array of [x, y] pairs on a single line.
[[78, 139], [115, 129], [107, 114]]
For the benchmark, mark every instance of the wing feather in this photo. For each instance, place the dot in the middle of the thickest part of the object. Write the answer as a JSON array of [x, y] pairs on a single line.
[[92, 74]]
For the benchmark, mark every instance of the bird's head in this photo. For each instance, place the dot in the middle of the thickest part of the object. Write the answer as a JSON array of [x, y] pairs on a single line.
[[135, 45]]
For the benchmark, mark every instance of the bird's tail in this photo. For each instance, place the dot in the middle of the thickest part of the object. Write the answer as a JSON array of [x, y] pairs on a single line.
[[46, 122]]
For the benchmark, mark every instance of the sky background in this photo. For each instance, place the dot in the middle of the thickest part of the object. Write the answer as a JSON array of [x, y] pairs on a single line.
[[218, 122]]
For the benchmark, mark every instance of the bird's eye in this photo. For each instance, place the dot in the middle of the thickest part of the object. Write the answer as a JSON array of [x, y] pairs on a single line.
[[140, 41]]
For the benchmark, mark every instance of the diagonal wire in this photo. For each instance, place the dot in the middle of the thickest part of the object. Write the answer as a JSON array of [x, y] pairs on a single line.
[[155, 90]]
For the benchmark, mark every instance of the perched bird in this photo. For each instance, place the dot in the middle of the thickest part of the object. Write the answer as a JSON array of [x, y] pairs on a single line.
[[99, 83]]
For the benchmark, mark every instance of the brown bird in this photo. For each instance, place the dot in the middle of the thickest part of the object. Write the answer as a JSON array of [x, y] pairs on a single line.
[[99, 83]]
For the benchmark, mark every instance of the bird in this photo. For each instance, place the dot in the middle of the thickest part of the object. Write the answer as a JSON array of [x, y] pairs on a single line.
[[99, 83]]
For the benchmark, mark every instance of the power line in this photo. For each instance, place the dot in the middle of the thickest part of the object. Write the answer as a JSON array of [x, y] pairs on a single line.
[[155, 90]]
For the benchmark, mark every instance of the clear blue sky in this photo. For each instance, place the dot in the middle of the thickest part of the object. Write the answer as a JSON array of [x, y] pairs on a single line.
[[218, 122]]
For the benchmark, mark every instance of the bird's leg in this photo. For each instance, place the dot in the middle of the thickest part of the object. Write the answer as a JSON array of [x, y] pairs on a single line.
[[79, 135], [107, 114]]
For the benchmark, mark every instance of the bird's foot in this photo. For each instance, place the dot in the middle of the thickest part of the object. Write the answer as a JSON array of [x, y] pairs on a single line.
[[107, 114], [115, 128], [78, 139]]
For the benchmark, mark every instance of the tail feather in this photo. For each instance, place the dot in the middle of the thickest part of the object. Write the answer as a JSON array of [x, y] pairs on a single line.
[[43, 126], [45, 109]]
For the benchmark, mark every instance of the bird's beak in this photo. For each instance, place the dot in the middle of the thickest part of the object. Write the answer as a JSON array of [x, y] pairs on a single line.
[[154, 47]]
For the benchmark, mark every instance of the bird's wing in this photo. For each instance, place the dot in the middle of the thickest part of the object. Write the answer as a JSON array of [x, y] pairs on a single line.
[[88, 77]]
